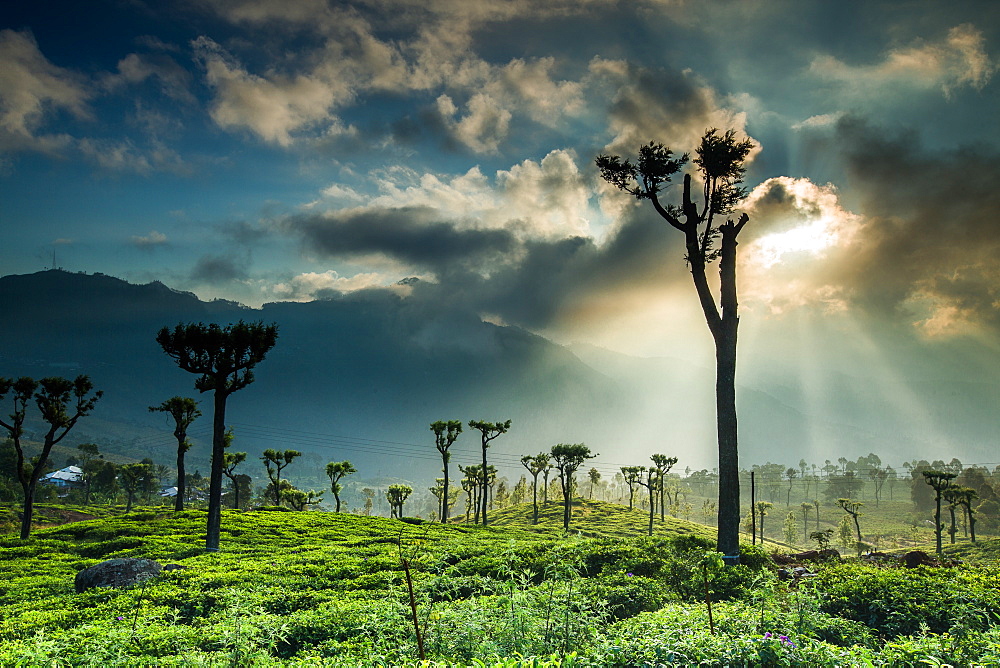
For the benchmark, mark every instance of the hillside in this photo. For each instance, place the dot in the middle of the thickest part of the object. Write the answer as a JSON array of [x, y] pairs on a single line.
[[293, 588]]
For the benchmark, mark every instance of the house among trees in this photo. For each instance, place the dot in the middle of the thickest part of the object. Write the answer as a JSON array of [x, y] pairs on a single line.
[[70, 477]]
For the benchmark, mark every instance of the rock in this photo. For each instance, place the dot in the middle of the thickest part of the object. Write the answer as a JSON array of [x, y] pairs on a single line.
[[784, 574], [118, 573], [916, 558]]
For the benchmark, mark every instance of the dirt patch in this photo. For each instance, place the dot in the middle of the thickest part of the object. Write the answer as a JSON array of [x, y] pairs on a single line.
[[58, 516]]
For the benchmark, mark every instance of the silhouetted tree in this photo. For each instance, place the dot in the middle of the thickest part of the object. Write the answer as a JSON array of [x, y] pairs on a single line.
[[274, 462], [396, 495], [720, 165], [595, 477], [939, 481], [335, 471], [489, 431], [790, 475], [445, 435], [535, 465], [224, 359], [567, 458], [184, 411], [61, 403]]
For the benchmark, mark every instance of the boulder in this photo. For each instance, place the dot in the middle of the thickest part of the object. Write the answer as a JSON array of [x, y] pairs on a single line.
[[118, 573], [916, 558]]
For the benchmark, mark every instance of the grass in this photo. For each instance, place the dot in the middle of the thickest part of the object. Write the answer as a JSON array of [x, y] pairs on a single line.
[[318, 588]]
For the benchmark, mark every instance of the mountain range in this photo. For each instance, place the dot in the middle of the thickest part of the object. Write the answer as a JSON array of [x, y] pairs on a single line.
[[360, 376]]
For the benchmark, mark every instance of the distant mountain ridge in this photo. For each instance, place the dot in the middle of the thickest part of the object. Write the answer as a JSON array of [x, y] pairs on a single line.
[[373, 366]]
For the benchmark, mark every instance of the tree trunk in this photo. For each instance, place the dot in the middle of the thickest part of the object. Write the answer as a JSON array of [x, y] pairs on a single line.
[[444, 496], [27, 510], [567, 485], [215, 481], [729, 478], [485, 486], [337, 499], [179, 499], [534, 500]]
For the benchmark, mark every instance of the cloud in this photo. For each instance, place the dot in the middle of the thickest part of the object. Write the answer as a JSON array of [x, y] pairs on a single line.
[[215, 269], [124, 156], [273, 106], [318, 285], [663, 105], [958, 60], [414, 236], [151, 240], [135, 68], [31, 88], [484, 125]]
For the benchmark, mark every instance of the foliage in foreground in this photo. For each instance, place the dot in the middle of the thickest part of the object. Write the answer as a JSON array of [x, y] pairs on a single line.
[[328, 589]]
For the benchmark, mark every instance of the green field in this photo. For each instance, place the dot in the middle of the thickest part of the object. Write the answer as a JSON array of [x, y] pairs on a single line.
[[314, 588]]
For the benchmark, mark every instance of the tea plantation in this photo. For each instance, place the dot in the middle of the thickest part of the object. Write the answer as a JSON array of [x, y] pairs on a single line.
[[318, 589]]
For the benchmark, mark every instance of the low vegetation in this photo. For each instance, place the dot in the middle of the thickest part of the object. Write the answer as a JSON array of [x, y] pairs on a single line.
[[313, 588]]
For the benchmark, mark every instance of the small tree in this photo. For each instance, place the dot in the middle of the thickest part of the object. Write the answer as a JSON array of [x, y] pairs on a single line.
[[396, 495], [762, 507], [651, 484], [274, 462], [471, 483], [535, 465], [133, 478], [964, 496], [822, 538], [229, 463], [939, 481], [298, 499], [806, 511], [445, 434], [663, 464], [567, 458], [61, 403], [632, 475], [224, 359], [335, 471], [184, 411], [595, 477], [853, 508], [489, 431], [90, 454], [790, 475], [790, 528]]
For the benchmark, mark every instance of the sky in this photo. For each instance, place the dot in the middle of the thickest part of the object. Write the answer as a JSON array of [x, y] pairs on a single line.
[[269, 150]]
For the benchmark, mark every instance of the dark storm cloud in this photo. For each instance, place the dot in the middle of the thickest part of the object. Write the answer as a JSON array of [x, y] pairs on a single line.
[[413, 235], [931, 236], [218, 269]]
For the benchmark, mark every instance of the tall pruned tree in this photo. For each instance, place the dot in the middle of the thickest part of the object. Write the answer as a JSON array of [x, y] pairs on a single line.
[[61, 403], [535, 465], [335, 471], [489, 431], [567, 458], [445, 435], [224, 359], [720, 166], [471, 483], [275, 461], [939, 482], [183, 411]]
